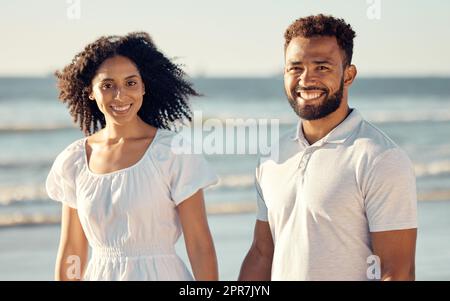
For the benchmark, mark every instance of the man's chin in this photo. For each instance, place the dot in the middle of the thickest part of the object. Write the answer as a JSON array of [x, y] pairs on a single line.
[[308, 114]]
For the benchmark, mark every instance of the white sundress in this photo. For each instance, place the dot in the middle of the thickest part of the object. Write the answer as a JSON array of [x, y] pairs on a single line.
[[129, 216]]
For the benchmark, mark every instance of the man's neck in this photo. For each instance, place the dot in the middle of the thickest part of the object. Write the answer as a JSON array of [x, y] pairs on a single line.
[[314, 130]]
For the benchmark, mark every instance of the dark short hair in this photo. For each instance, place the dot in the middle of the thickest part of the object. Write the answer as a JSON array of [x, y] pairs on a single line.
[[167, 93], [322, 25]]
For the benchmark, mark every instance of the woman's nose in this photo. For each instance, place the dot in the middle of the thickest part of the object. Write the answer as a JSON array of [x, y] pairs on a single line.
[[118, 93]]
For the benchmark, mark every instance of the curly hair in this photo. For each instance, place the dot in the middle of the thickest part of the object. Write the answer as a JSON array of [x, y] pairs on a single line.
[[165, 102], [322, 25]]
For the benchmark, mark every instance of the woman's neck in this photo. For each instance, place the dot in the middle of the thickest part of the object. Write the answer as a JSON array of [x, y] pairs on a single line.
[[136, 128]]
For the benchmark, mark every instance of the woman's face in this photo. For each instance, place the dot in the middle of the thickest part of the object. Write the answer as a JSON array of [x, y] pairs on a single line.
[[118, 90]]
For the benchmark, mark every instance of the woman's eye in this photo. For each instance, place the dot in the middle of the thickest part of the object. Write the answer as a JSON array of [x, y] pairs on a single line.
[[323, 68], [106, 86], [132, 83]]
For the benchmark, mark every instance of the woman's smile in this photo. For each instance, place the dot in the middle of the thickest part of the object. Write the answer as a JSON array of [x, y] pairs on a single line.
[[122, 109]]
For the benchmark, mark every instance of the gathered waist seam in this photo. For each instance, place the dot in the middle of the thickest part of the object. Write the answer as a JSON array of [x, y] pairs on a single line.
[[111, 252]]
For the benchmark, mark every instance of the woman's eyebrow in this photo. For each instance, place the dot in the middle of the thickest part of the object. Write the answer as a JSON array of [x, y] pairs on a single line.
[[131, 76], [111, 79]]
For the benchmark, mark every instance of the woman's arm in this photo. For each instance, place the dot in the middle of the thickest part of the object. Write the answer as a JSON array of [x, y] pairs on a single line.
[[73, 247], [199, 243]]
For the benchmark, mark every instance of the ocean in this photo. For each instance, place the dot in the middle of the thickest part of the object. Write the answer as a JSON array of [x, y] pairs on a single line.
[[35, 127], [414, 112]]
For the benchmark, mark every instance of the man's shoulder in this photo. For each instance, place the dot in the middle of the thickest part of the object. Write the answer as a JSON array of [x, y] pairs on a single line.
[[370, 138], [281, 149], [372, 144]]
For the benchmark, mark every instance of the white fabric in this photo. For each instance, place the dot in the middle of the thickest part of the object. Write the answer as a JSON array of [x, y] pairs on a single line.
[[323, 200], [129, 216]]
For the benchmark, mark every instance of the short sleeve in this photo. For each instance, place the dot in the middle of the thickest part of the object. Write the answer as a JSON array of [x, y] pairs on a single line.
[[190, 173], [390, 193], [60, 183], [261, 213]]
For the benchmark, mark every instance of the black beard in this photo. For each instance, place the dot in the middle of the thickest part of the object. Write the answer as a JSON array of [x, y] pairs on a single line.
[[313, 112]]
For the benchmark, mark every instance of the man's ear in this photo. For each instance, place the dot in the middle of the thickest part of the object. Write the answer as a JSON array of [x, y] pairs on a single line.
[[349, 74]]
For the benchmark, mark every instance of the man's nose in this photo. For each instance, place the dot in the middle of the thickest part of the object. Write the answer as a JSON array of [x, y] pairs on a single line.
[[307, 78]]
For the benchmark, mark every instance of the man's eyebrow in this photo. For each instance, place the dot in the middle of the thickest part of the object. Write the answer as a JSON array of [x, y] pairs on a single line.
[[317, 62], [323, 61]]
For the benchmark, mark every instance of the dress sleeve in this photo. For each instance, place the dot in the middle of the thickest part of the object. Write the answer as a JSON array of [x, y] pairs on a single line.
[[60, 183], [190, 173]]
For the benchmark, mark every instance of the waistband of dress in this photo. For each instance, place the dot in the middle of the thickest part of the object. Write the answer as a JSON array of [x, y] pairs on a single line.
[[147, 251]]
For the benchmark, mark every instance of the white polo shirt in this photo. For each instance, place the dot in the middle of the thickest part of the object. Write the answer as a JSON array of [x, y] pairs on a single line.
[[323, 200]]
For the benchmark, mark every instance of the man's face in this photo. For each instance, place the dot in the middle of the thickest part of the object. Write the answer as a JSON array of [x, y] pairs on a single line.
[[314, 76]]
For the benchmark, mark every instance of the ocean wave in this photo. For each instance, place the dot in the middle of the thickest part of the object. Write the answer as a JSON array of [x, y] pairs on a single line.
[[399, 117], [386, 116], [24, 164], [21, 219], [22, 194], [235, 181], [432, 169], [24, 128], [435, 168], [222, 208], [36, 192], [284, 120]]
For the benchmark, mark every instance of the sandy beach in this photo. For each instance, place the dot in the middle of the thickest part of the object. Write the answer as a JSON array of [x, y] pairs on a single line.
[[28, 252]]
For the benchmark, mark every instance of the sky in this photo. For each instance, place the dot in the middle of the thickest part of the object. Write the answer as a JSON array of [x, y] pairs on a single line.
[[225, 38]]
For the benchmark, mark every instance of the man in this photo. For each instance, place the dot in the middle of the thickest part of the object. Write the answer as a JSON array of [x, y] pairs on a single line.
[[340, 201]]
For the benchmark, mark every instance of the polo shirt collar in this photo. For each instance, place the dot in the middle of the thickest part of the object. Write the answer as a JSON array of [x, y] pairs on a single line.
[[339, 134]]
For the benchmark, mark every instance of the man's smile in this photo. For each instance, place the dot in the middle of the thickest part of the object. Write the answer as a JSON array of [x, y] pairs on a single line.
[[310, 94]]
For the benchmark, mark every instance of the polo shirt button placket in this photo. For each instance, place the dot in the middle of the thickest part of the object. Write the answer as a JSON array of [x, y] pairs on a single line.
[[302, 166], [304, 161]]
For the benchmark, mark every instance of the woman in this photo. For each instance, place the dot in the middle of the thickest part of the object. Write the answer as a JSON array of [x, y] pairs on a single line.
[[124, 192]]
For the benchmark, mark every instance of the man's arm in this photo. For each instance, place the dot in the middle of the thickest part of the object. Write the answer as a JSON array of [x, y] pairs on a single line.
[[396, 250], [257, 264]]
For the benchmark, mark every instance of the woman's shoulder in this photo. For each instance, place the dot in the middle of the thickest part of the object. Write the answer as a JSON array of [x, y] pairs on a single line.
[[171, 144], [76, 146], [71, 154], [165, 136]]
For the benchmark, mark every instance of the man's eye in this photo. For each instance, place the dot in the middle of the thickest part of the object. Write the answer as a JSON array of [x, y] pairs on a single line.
[[323, 68], [295, 68]]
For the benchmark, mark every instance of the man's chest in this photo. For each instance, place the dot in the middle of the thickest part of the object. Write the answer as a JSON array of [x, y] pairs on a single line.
[[316, 184]]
